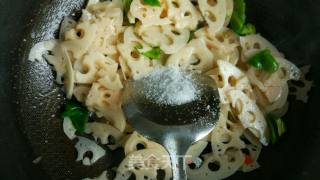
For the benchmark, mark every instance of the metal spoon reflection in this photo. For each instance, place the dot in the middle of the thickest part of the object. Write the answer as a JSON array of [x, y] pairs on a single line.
[[174, 126]]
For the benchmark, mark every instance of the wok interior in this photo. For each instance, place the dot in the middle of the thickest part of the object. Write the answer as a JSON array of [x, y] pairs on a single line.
[[290, 24]]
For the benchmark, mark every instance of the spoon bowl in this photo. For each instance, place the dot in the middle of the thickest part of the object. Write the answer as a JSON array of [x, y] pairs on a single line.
[[175, 126]]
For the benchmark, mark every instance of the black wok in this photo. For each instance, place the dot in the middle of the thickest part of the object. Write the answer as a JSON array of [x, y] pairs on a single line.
[[29, 98]]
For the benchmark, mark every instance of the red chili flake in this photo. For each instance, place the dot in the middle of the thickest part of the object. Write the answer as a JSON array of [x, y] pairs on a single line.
[[248, 160]]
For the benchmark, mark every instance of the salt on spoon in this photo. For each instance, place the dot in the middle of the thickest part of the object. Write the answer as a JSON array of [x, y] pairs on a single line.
[[174, 108]]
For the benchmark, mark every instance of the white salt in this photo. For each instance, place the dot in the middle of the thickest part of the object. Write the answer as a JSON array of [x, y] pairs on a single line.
[[170, 86]]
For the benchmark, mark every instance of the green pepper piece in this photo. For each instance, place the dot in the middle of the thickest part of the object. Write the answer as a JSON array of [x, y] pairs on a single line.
[[152, 3], [238, 19], [248, 29], [78, 115], [264, 61], [276, 126], [238, 16], [273, 134], [138, 46], [154, 53]]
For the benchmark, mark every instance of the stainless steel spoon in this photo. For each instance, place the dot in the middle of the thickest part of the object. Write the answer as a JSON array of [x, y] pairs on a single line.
[[175, 127]]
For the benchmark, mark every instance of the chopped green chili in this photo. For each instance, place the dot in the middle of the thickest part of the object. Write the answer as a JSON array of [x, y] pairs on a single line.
[[138, 46], [264, 61], [276, 126], [78, 115], [154, 53], [238, 19], [152, 2]]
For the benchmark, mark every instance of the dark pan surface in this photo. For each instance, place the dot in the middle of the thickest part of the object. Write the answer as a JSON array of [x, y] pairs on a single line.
[[29, 98]]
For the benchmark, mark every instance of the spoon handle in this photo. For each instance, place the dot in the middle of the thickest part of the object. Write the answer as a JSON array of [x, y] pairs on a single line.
[[177, 149]]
